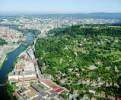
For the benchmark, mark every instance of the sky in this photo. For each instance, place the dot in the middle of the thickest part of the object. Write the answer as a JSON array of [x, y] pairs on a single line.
[[59, 6]]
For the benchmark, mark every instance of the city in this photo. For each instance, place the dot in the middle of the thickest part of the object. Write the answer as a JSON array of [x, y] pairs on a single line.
[[67, 53]]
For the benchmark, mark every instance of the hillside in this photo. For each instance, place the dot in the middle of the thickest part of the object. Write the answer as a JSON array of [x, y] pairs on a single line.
[[83, 58]]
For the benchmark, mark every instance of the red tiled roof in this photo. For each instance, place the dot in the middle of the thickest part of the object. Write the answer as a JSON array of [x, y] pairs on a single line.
[[59, 90], [53, 86]]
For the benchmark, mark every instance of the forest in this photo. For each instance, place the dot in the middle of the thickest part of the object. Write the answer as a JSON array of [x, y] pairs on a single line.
[[83, 58]]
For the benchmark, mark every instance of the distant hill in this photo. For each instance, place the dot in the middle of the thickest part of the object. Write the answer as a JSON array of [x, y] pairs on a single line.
[[78, 15]]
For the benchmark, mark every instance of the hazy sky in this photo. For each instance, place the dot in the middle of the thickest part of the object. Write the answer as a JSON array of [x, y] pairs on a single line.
[[60, 6]]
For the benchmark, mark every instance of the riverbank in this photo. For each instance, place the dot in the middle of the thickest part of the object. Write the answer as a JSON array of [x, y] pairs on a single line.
[[12, 56], [10, 40], [5, 51], [2, 60], [11, 59]]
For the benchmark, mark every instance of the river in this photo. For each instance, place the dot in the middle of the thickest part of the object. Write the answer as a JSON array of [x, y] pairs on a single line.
[[11, 58]]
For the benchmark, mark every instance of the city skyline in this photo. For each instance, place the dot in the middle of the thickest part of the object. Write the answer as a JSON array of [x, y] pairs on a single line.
[[62, 6]]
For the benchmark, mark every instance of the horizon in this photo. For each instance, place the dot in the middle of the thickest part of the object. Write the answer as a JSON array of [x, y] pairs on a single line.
[[59, 7], [89, 13]]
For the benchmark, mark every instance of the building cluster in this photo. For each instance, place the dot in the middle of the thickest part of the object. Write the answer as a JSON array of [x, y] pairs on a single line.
[[30, 83], [45, 23], [11, 37]]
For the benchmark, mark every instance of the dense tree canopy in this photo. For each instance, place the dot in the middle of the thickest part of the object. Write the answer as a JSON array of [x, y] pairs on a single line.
[[82, 53], [2, 42]]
